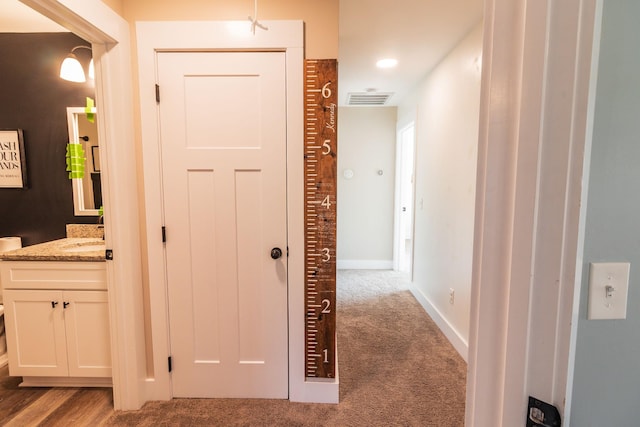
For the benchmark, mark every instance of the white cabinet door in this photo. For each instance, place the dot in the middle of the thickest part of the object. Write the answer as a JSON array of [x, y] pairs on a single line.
[[87, 330], [35, 331]]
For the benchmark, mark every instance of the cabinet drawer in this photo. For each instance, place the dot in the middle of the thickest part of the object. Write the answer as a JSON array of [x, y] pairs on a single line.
[[53, 275]]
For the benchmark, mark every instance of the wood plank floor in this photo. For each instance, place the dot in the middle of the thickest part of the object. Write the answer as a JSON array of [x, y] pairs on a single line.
[[57, 406]]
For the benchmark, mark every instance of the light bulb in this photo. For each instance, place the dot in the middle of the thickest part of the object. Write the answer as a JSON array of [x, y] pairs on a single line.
[[71, 69]]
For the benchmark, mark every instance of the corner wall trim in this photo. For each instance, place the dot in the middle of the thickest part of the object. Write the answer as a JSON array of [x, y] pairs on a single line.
[[458, 342]]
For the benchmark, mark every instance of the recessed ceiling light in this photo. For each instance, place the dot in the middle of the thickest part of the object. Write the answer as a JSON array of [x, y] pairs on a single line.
[[387, 63]]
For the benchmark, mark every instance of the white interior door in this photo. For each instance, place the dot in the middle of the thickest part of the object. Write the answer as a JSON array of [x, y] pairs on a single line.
[[223, 144], [404, 235]]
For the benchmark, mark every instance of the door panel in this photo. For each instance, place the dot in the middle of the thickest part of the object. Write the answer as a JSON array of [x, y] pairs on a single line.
[[249, 225], [223, 143], [230, 111]]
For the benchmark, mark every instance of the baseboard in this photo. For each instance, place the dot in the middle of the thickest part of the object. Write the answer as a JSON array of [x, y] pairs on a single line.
[[317, 390], [458, 342], [364, 264], [65, 382]]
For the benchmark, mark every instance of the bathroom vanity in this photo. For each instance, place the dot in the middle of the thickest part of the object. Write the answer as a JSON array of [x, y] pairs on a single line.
[[57, 313]]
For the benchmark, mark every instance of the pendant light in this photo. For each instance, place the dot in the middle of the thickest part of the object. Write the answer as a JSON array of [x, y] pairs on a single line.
[[71, 69]]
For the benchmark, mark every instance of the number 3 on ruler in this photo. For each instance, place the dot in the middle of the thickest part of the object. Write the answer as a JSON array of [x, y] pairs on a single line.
[[325, 255]]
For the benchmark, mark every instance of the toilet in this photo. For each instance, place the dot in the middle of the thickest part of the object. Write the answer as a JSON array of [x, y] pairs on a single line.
[[6, 244]]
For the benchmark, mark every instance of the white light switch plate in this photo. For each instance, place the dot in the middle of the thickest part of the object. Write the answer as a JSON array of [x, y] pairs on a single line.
[[604, 302]]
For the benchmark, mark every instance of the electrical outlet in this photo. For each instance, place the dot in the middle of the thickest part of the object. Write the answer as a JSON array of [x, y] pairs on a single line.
[[452, 296]]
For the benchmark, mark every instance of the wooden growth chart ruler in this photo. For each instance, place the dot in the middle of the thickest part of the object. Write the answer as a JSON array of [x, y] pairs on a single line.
[[320, 172]]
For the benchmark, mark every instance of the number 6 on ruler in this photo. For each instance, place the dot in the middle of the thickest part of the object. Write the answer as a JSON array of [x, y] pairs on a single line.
[[326, 92]]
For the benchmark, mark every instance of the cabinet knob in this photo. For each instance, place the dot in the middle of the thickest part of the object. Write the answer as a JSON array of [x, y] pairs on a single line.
[[65, 304], [53, 304]]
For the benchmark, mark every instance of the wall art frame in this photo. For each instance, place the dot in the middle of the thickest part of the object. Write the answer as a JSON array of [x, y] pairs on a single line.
[[13, 164]]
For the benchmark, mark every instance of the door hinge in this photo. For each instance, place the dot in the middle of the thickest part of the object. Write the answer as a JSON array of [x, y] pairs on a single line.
[[169, 363], [287, 251], [164, 234], [157, 93]]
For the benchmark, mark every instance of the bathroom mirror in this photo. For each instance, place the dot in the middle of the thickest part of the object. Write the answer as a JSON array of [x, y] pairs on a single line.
[[87, 192]]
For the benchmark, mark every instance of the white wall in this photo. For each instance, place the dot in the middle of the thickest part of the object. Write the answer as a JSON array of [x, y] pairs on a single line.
[[366, 145], [445, 107]]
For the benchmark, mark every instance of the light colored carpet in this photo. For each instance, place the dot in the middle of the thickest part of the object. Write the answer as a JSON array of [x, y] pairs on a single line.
[[396, 369]]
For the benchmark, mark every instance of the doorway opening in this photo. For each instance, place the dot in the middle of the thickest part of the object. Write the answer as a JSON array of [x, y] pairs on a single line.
[[434, 141], [404, 203]]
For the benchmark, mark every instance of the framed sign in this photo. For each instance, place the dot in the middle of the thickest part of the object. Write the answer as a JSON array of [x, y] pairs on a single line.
[[13, 171]]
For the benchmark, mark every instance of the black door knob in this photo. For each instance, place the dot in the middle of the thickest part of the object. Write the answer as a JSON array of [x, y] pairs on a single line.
[[276, 253]]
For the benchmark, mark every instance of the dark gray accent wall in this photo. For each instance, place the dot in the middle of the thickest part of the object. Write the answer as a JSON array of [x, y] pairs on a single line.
[[606, 387], [34, 98]]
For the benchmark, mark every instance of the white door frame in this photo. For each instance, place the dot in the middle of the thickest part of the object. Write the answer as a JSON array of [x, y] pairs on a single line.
[[285, 36], [591, 107], [397, 223], [109, 34], [535, 87]]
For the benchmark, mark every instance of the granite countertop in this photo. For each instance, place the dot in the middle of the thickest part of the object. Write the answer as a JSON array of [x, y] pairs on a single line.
[[68, 249]]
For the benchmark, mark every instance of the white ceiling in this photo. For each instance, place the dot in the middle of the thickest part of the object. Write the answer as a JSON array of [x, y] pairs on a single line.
[[418, 33]]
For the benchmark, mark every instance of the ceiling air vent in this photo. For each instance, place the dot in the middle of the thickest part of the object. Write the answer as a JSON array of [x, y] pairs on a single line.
[[368, 98]]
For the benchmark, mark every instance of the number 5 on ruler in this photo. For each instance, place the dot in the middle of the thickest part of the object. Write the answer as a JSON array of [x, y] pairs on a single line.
[[326, 146]]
